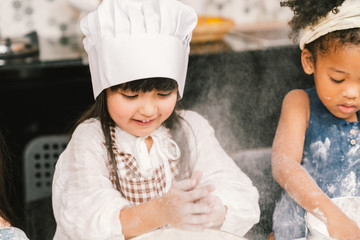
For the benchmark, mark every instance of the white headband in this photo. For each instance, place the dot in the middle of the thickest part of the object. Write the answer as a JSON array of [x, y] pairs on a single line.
[[128, 40], [348, 17]]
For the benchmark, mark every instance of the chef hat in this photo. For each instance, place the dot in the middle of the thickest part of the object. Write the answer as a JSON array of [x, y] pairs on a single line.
[[128, 40]]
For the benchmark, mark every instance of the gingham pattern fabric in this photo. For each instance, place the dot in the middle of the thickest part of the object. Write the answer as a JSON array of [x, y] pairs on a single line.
[[133, 186]]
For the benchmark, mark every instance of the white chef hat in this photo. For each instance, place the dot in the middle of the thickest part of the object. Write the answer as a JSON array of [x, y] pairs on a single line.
[[128, 40]]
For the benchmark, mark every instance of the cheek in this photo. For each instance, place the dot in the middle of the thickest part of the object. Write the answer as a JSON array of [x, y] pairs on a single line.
[[325, 89], [168, 106], [116, 114], [328, 95], [116, 109]]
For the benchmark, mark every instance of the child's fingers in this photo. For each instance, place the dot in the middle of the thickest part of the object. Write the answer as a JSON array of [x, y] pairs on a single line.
[[196, 176], [198, 219], [206, 201], [210, 188], [186, 185], [200, 207], [202, 189], [189, 184], [197, 194], [214, 201]]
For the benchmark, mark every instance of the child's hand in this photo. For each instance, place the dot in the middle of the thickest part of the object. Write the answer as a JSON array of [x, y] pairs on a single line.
[[188, 205], [343, 228], [217, 214]]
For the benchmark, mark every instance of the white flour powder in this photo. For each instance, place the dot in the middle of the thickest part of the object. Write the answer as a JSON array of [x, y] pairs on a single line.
[[350, 206]]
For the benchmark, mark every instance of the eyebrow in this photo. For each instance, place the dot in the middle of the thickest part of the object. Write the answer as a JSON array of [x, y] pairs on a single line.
[[336, 70]]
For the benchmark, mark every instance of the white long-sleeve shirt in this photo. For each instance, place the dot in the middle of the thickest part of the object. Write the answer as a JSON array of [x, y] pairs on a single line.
[[87, 205]]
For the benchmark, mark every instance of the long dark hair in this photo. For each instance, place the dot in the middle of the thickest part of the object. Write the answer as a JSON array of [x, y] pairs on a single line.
[[99, 111], [6, 211]]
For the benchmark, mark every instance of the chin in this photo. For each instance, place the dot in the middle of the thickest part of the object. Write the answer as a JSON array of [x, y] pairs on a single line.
[[143, 134]]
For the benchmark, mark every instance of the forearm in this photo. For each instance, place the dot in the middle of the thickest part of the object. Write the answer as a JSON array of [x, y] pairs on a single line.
[[302, 188], [142, 218]]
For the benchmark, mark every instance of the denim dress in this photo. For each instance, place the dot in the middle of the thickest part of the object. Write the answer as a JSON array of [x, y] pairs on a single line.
[[12, 233], [331, 156]]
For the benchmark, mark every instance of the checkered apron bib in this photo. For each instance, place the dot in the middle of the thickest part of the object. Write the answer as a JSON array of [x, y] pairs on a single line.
[[133, 186]]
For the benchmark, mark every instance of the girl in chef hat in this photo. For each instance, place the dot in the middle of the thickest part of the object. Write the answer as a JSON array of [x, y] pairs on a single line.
[[134, 163], [316, 146]]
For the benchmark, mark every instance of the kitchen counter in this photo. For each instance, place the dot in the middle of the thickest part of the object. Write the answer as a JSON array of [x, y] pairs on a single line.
[[68, 51]]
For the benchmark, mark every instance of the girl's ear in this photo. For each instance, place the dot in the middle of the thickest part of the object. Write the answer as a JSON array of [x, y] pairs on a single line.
[[307, 61]]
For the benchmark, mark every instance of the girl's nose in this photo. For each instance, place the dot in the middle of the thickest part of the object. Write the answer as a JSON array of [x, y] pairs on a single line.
[[148, 108], [351, 92]]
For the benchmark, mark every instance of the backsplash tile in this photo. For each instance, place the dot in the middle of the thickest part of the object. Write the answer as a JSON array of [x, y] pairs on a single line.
[[57, 18], [242, 11], [50, 18], [57, 21]]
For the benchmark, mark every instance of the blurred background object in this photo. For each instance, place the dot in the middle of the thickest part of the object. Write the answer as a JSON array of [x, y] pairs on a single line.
[[211, 29], [242, 11], [56, 23], [85, 5], [59, 19], [19, 50], [240, 24]]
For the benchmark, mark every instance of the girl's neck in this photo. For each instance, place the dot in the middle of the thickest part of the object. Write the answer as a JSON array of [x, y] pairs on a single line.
[[149, 142]]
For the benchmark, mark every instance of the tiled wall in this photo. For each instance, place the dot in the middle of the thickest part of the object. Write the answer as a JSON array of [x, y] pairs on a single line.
[[55, 21], [243, 11], [58, 19], [54, 18]]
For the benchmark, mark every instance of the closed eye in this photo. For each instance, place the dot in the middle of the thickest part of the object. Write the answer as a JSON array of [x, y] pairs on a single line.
[[336, 81], [164, 94], [129, 96]]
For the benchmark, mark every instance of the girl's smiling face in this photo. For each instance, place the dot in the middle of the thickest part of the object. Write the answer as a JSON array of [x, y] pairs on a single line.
[[140, 113], [337, 79]]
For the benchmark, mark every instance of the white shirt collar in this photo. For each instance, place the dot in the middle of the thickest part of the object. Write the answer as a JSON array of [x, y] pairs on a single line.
[[164, 148]]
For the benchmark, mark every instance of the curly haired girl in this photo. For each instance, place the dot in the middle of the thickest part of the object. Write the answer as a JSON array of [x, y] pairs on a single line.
[[316, 147]]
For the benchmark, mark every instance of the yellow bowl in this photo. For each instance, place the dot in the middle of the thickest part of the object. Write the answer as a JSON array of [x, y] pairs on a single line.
[[210, 29]]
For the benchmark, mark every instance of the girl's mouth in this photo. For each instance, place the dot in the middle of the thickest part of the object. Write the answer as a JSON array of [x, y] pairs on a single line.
[[143, 122], [347, 108]]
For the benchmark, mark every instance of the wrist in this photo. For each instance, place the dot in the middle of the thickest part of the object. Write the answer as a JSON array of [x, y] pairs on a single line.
[[159, 206], [142, 218], [332, 212]]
